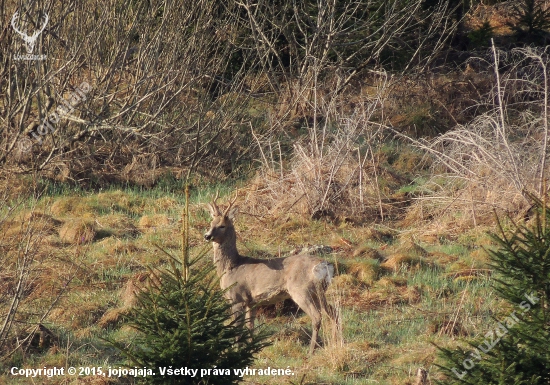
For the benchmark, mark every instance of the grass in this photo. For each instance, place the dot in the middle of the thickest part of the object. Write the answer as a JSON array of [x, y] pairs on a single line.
[[391, 312]]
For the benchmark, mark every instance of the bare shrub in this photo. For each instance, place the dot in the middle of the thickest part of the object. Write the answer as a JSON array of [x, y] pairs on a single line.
[[176, 87], [26, 296], [156, 74], [332, 173], [496, 160]]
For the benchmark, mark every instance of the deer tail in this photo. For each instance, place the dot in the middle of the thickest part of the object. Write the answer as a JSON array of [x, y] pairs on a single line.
[[323, 273]]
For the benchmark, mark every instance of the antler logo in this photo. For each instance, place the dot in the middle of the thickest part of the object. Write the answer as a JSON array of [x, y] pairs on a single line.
[[30, 41]]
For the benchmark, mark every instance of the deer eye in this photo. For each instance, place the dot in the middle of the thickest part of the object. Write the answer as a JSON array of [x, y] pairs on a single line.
[[222, 227]]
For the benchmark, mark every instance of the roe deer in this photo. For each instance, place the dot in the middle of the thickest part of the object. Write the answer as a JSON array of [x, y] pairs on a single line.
[[252, 281]]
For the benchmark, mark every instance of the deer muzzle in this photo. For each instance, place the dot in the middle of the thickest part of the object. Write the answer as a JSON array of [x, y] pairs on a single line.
[[208, 236]]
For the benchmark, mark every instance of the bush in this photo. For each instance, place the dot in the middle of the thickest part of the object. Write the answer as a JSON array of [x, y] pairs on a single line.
[[515, 351], [188, 324]]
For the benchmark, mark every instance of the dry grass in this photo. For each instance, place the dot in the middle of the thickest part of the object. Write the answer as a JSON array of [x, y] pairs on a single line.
[[77, 231], [41, 224], [116, 246], [443, 259], [112, 317], [165, 204], [329, 176], [153, 223], [376, 268], [388, 293], [399, 261], [120, 224], [81, 317], [35, 216], [489, 162], [15, 187], [67, 206], [342, 283], [366, 271], [448, 325], [367, 252], [339, 359], [128, 298]]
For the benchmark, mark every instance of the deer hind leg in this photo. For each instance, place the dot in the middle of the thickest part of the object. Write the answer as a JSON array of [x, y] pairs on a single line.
[[331, 312], [309, 303]]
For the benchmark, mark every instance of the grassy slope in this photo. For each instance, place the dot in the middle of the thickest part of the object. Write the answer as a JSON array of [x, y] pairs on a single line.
[[421, 292]]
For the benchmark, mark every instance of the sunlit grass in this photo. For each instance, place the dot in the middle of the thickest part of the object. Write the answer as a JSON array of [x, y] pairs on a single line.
[[390, 314]]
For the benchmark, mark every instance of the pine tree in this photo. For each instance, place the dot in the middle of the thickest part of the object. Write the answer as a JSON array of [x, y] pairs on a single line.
[[188, 324], [516, 349], [531, 21]]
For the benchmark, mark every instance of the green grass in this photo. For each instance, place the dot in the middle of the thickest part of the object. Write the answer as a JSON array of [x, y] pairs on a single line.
[[384, 341]]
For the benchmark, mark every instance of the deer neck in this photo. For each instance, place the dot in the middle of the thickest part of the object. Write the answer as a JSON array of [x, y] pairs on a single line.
[[226, 255]]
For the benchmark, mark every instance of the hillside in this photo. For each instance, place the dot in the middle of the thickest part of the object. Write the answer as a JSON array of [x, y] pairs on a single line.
[[388, 135]]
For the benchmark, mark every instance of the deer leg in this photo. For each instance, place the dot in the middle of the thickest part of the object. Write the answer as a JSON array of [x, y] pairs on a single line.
[[238, 312], [241, 315], [315, 326], [250, 316], [310, 305]]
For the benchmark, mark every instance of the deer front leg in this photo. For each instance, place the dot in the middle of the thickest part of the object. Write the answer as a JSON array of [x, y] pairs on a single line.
[[238, 310], [250, 316]]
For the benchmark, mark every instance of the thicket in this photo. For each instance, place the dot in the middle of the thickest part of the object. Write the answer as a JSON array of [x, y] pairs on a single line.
[[181, 87], [222, 88], [499, 159]]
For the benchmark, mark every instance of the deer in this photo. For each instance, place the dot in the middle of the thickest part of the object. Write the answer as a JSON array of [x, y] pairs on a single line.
[[249, 282]]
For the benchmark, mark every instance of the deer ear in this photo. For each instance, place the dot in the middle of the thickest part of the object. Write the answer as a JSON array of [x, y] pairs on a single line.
[[232, 213]]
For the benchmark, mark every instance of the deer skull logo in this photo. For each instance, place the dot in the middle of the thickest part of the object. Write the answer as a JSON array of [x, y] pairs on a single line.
[[30, 41]]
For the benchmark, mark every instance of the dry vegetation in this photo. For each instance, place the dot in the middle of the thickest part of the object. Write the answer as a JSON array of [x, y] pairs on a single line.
[[398, 163], [395, 293]]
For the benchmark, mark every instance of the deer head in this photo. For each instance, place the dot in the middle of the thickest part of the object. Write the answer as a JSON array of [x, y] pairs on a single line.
[[222, 222], [30, 41]]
